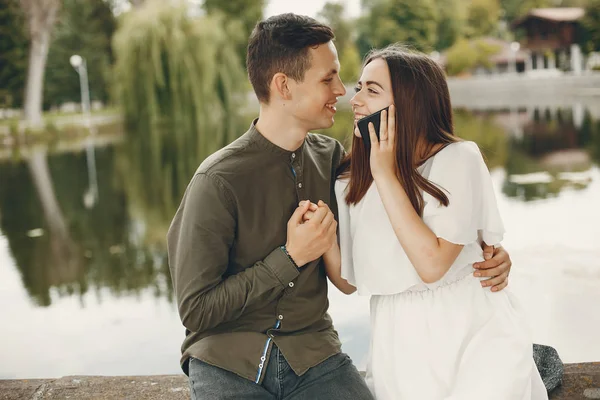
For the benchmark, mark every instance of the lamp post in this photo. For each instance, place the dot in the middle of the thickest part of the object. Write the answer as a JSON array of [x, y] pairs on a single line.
[[514, 48], [90, 197], [80, 66]]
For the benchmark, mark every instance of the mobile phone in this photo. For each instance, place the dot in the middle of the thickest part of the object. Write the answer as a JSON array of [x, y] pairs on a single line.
[[363, 126]]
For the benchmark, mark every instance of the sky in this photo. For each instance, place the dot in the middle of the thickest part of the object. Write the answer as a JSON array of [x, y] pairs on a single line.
[[308, 7]]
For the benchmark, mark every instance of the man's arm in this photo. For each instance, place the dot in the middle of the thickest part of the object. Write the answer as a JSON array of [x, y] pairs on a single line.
[[496, 267], [199, 241]]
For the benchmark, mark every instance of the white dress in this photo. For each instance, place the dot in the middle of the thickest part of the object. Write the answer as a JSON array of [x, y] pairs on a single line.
[[451, 339]]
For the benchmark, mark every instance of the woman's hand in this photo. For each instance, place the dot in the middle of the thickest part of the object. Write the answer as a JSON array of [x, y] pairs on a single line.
[[383, 150], [496, 267], [311, 210]]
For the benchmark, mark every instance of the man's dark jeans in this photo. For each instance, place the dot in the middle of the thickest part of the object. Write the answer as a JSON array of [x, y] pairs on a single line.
[[334, 379]]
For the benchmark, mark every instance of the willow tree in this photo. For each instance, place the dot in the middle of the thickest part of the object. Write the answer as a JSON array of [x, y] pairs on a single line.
[[181, 84]]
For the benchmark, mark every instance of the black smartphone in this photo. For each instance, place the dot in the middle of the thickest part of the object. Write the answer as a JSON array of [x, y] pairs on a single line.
[[363, 126]]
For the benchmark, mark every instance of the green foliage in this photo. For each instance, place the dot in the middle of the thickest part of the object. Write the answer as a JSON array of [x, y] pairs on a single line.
[[246, 12], [514, 9], [13, 54], [333, 15], [180, 83], [466, 55], [460, 57], [249, 12], [482, 18], [411, 22], [452, 22], [350, 64], [84, 28], [591, 26]]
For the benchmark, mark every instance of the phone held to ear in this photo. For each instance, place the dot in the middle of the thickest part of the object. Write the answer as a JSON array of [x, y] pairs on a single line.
[[363, 126]]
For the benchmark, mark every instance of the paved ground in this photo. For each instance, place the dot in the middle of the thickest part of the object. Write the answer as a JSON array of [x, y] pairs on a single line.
[[581, 382]]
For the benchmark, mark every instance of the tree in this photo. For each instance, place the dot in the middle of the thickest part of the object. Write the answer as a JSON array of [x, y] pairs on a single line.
[[13, 54], [85, 28], [246, 12], [350, 63], [514, 9], [40, 16], [412, 22], [180, 83], [482, 17], [451, 23], [591, 26], [466, 55], [332, 14]]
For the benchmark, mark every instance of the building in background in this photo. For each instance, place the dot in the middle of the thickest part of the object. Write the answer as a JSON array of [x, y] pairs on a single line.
[[551, 38]]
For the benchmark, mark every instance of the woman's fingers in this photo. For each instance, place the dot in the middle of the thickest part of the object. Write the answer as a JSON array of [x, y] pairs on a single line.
[[391, 126], [373, 136], [383, 126], [495, 281], [501, 286], [308, 215]]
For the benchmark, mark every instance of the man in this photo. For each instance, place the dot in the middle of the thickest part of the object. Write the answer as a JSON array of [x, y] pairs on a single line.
[[247, 272]]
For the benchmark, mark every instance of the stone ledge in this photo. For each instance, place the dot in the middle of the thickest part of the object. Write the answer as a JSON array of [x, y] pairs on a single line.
[[580, 382]]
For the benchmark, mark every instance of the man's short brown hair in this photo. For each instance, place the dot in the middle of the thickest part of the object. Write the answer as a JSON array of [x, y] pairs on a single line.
[[281, 44]]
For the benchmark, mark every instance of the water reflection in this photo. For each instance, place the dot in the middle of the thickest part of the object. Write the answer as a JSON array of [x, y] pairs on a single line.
[[71, 227], [552, 154], [90, 224], [74, 248]]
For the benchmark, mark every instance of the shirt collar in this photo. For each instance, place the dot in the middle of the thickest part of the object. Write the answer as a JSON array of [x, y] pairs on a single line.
[[265, 144]]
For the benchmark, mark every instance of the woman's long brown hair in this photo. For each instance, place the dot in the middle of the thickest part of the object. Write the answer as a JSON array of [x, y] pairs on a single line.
[[423, 110]]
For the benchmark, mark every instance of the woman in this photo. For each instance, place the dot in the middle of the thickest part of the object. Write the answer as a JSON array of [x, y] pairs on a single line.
[[410, 240]]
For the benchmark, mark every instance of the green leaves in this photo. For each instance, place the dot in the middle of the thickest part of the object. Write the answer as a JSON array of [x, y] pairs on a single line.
[[412, 22], [466, 55], [13, 54], [180, 84], [84, 28], [591, 25]]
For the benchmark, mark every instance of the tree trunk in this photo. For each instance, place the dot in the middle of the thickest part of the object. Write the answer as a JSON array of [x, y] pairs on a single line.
[[40, 173], [64, 264], [41, 15]]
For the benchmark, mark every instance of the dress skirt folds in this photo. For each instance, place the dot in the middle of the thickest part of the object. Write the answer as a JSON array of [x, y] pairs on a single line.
[[448, 340]]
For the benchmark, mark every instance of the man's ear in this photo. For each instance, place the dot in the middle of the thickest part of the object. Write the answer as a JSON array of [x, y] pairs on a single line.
[[280, 86]]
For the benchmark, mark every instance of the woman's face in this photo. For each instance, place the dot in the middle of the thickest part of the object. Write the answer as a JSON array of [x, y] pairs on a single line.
[[373, 91]]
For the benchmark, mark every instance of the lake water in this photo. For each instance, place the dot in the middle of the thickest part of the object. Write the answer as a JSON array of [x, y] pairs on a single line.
[[84, 282]]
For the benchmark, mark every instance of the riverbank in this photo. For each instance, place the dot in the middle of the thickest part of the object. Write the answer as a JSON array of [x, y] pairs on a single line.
[[581, 381]]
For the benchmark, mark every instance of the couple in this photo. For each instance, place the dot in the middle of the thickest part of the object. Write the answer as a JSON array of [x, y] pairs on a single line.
[[254, 240]]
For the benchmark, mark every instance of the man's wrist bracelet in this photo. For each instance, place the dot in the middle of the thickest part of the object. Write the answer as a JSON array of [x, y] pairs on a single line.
[[284, 249]]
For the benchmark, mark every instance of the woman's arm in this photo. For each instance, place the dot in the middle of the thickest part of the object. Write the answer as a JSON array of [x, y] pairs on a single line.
[[333, 267], [332, 258], [431, 256]]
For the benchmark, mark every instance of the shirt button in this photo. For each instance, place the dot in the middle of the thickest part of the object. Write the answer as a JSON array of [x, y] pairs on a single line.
[[280, 316], [293, 155], [300, 185], [291, 284]]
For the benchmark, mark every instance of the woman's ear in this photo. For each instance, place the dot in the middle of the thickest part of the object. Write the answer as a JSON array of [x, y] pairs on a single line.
[[280, 86]]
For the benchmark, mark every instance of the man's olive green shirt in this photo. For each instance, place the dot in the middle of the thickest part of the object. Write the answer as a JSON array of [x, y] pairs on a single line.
[[237, 290]]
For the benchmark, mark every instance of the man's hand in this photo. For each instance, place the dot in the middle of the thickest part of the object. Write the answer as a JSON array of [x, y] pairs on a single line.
[[311, 210], [496, 267], [307, 241]]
